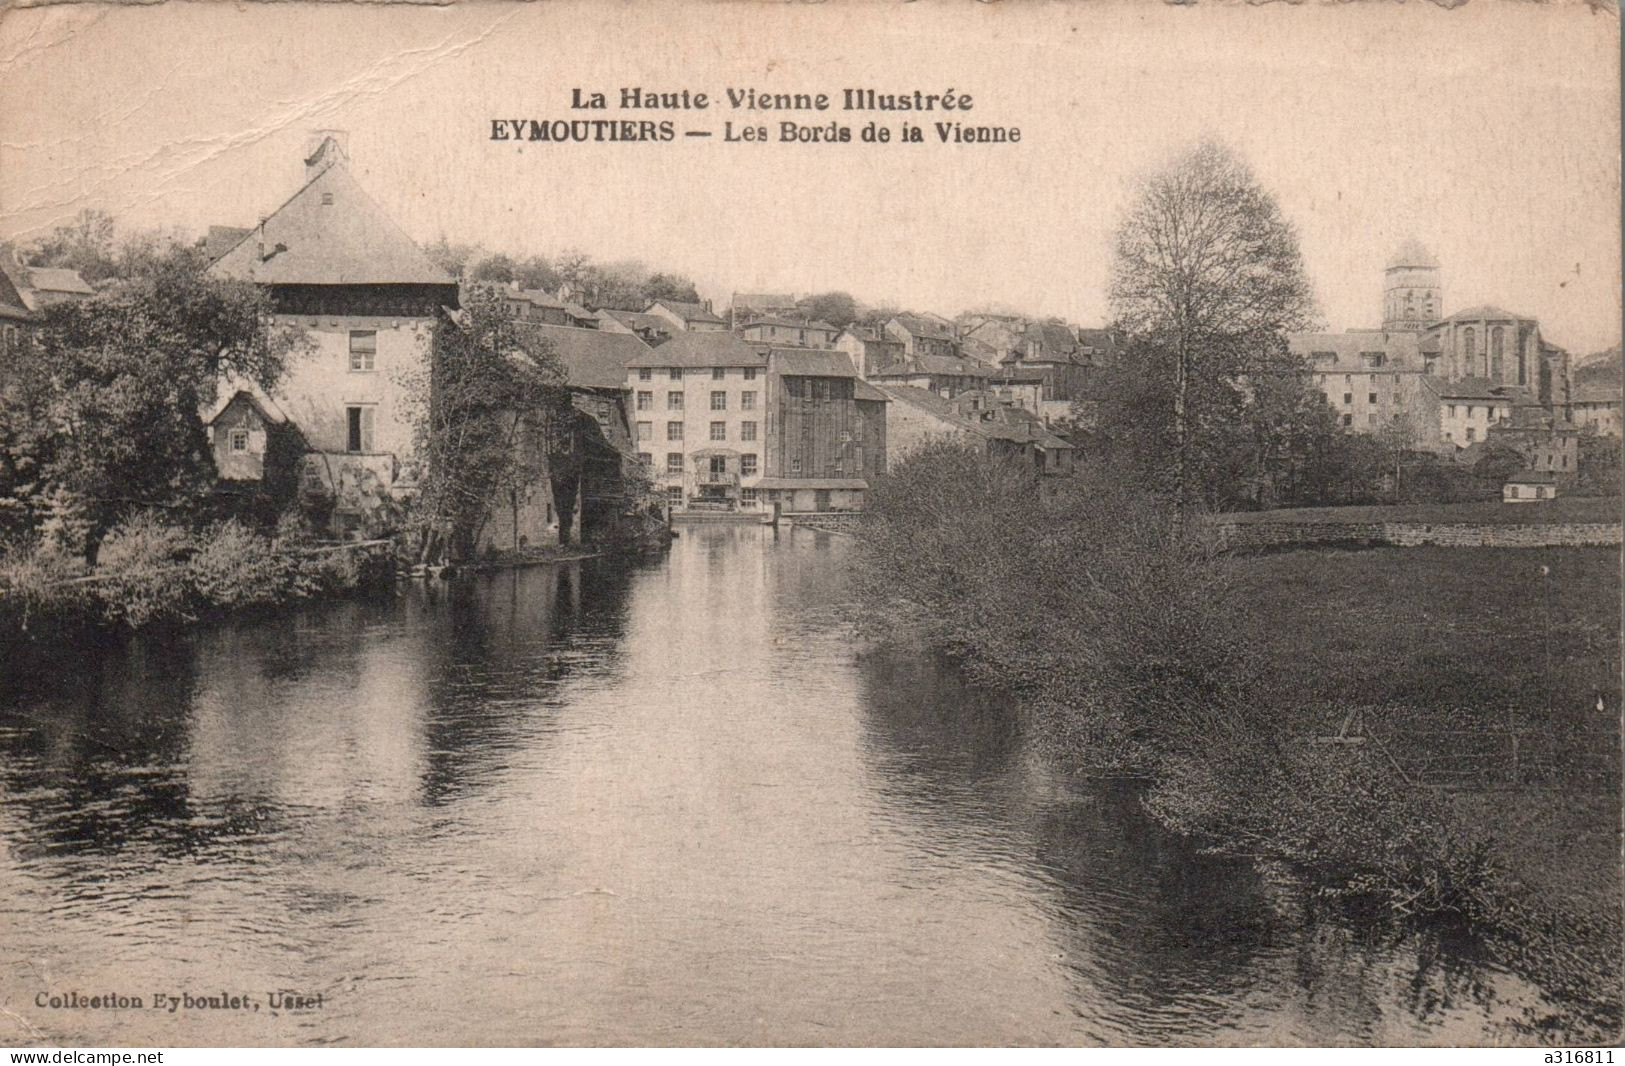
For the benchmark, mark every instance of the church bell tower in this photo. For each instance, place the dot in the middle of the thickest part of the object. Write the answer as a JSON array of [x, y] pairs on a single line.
[[1412, 298]]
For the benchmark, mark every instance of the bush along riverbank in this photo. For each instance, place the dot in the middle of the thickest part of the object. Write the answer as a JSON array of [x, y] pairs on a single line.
[[151, 573], [1118, 623]]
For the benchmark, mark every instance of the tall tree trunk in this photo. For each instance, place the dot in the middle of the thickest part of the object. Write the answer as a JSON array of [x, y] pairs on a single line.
[[1181, 429]]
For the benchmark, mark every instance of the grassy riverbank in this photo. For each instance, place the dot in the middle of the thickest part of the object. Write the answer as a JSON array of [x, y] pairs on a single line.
[[150, 573], [1450, 653], [1343, 713], [1565, 509]]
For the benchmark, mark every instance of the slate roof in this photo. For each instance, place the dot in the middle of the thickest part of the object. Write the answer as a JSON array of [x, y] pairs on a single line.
[[1411, 254], [1054, 336], [711, 348], [222, 239], [58, 279], [1532, 477], [14, 298], [535, 297], [686, 311], [952, 364], [920, 326], [1596, 394], [1485, 311], [926, 400], [791, 323], [228, 388], [812, 363], [593, 358], [348, 240], [639, 320], [862, 390], [1473, 389]]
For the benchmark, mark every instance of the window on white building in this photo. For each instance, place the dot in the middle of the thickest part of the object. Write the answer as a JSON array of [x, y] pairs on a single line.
[[747, 465], [646, 401], [646, 373], [677, 373], [747, 401], [719, 431], [719, 400], [747, 431], [239, 440], [674, 401], [674, 431], [363, 348], [674, 462]]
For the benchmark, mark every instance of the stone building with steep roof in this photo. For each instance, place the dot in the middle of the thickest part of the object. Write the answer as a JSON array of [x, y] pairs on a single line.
[[365, 298]]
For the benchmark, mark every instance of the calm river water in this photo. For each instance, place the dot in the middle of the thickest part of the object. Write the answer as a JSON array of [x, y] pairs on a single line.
[[668, 805]]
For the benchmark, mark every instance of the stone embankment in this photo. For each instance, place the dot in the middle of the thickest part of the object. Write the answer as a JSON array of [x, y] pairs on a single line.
[[1278, 536]]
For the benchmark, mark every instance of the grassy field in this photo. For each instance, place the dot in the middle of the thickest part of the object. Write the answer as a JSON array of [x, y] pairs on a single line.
[[1447, 647], [1487, 512]]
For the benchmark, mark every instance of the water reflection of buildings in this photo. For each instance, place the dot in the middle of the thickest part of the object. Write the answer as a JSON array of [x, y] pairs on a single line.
[[242, 729]]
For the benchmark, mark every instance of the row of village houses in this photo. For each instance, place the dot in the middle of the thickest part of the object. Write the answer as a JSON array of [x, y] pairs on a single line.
[[762, 408]]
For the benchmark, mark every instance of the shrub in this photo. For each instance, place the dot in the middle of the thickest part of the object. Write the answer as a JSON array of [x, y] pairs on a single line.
[[235, 567], [141, 564], [38, 590]]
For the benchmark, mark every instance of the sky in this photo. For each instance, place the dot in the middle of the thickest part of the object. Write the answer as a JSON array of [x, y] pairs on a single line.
[[1489, 132]]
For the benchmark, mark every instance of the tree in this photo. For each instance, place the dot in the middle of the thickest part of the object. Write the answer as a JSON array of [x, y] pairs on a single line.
[[453, 258], [839, 309], [1207, 274], [86, 244], [1399, 439], [103, 407], [493, 268], [495, 403], [536, 272], [1598, 463]]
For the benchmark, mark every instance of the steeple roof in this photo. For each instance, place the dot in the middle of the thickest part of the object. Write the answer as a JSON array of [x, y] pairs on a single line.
[[1412, 254]]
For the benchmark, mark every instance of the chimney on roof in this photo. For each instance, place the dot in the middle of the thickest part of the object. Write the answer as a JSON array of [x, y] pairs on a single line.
[[323, 149]]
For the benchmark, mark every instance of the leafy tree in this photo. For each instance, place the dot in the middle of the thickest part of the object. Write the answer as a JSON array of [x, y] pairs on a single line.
[[493, 268], [1598, 464], [104, 406], [1207, 277], [669, 287], [495, 406], [535, 272], [839, 309], [453, 258], [86, 244], [1497, 463]]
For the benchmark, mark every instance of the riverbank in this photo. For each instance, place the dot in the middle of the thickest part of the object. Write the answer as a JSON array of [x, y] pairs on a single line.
[[1491, 676], [1320, 710], [151, 574]]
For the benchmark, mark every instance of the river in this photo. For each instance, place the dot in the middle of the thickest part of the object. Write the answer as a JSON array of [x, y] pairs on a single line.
[[672, 804]]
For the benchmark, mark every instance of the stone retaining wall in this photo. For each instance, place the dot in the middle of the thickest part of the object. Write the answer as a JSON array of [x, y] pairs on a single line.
[[1265, 536]]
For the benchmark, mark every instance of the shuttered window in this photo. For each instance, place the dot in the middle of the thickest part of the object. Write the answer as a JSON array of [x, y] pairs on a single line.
[[363, 348]]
